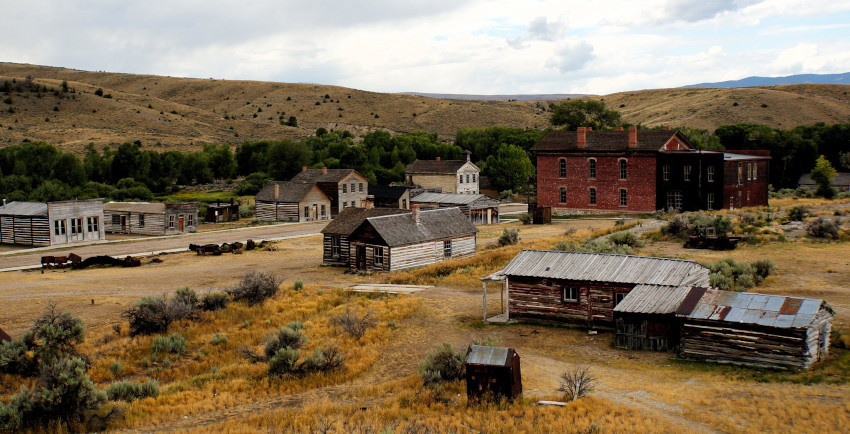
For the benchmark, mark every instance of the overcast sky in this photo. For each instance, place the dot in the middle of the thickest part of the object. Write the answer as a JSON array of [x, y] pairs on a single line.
[[446, 46]]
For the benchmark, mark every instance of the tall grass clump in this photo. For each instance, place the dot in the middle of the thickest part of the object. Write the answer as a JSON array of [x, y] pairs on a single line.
[[129, 391], [171, 344], [255, 287], [441, 364], [508, 237]]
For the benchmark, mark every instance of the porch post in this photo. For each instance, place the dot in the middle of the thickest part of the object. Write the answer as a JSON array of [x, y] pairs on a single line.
[[484, 291]]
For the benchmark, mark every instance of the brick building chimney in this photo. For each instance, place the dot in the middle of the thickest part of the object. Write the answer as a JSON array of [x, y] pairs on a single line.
[[276, 191], [633, 136], [581, 137], [324, 170], [438, 159], [415, 209], [618, 129], [303, 168]]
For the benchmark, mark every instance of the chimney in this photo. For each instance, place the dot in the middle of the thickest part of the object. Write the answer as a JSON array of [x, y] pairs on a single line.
[[324, 170], [633, 136], [415, 209], [581, 137], [303, 168], [468, 155], [618, 129], [276, 191], [438, 158], [665, 127]]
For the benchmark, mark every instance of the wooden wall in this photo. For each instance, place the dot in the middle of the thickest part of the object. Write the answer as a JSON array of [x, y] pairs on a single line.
[[275, 211], [154, 223], [71, 209], [539, 298], [25, 230], [328, 258], [409, 256], [647, 332]]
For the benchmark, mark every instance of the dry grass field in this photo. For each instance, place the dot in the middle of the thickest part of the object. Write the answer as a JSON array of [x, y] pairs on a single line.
[[213, 388], [181, 113]]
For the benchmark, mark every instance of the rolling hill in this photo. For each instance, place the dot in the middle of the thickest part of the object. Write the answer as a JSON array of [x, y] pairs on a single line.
[[777, 81], [183, 113]]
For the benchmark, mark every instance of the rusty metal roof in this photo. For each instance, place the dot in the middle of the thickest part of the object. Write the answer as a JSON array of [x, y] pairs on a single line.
[[750, 308], [24, 209], [602, 267], [488, 356], [653, 299]]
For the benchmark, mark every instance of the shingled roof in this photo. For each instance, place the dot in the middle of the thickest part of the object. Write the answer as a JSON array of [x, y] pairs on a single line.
[[350, 218], [437, 224], [647, 140], [24, 209], [289, 192], [318, 175], [390, 192], [436, 167]]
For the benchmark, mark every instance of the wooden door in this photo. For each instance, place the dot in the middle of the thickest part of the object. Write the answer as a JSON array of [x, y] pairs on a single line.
[[180, 224], [123, 224], [361, 257]]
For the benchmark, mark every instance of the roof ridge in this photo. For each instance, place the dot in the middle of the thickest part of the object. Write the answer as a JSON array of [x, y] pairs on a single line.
[[614, 254]]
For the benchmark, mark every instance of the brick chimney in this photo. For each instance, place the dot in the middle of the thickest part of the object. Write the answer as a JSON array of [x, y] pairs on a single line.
[[415, 209], [581, 137], [633, 136], [618, 129], [438, 159], [324, 170], [665, 127], [276, 191], [303, 168]]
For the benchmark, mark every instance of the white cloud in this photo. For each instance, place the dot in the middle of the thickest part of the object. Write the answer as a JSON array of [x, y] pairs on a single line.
[[571, 57]]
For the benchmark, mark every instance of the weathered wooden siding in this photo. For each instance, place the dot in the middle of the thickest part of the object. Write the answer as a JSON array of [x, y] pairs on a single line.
[[343, 200], [314, 200], [154, 223], [647, 332], [73, 209], [187, 211], [536, 298], [24, 230], [275, 211], [342, 258], [416, 255]]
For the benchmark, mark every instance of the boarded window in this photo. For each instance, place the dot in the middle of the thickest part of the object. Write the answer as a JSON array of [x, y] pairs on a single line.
[[447, 249], [592, 196], [379, 256], [562, 169], [570, 294]]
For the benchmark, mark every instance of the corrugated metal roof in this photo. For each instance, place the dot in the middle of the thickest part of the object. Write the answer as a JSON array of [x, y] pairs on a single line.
[[601, 267], [653, 299], [24, 209], [489, 356], [437, 224], [453, 198], [760, 309], [144, 207]]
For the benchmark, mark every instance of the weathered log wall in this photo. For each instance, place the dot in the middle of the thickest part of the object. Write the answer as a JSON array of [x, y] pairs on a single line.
[[538, 298], [24, 230]]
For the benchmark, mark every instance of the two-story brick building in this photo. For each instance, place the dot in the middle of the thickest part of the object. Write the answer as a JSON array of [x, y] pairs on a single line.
[[452, 176], [634, 170]]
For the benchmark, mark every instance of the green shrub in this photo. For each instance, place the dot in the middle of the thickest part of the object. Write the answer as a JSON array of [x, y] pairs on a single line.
[[115, 368], [187, 295], [214, 301], [285, 338], [509, 237], [525, 218], [323, 359], [284, 361], [296, 325], [822, 228], [442, 364], [255, 287], [763, 267], [489, 341], [53, 336], [171, 344], [129, 391], [730, 275], [155, 314], [593, 246], [298, 285], [797, 213], [626, 238], [218, 340]]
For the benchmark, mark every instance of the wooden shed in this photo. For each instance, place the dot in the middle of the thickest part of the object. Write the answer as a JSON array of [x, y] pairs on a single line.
[[646, 318], [772, 331], [51, 223], [395, 242], [292, 202], [222, 212], [492, 372], [393, 196], [336, 233], [479, 208], [146, 218]]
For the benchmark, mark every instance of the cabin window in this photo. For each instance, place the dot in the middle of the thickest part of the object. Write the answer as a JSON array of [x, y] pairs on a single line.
[[323, 210], [710, 176], [77, 226], [447, 249], [618, 297], [570, 294], [755, 171], [674, 200], [473, 178], [624, 198], [460, 179], [592, 196], [562, 170], [306, 212], [379, 256], [710, 201], [190, 220], [591, 165], [624, 169], [467, 178], [687, 175], [58, 227], [360, 187], [749, 172], [335, 247], [352, 187], [666, 172], [171, 221], [563, 198], [116, 219], [141, 220], [404, 204], [345, 188], [92, 224]]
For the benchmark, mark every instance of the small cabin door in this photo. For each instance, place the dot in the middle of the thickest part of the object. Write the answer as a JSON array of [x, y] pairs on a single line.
[[361, 257], [123, 224], [180, 224]]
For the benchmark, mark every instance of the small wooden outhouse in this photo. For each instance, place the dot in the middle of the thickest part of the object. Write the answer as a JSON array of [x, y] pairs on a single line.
[[492, 373], [222, 212]]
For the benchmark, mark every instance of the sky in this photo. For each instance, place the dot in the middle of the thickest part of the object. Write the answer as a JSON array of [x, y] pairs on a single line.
[[438, 46]]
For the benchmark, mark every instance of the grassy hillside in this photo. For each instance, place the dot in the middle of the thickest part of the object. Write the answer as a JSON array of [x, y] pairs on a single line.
[[182, 113]]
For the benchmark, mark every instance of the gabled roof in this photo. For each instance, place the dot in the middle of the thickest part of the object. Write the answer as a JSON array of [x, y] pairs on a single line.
[[34, 209], [350, 218], [602, 267], [653, 299], [841, 179], [437, 224], [316, 175], [4, 336], [388, 192], [750, 308], [453, 198], [141, 207], [437, 167], [647, 140], [289, 192]]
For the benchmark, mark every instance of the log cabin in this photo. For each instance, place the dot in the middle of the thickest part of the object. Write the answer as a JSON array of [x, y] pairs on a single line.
[[51, 223], [146, 218], [222, 212], [292, 202], [336, 233]]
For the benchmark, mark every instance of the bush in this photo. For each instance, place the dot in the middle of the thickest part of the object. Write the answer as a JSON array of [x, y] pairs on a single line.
[[730, 275], [763, 267], [155, 314], [218, 340], [115, 368], [489, 341], [187, 296], [353, 323], [171, 344], [284, 361], [508, 237], [129, 391], [214, 301], [626, 238], [593, 246], [577, 383], [323, 359], [285, 338], [797, 213], [525, 218], [298, 285], [52, 336], [255, 287], [442, 364], [822, 228], [296, 325]]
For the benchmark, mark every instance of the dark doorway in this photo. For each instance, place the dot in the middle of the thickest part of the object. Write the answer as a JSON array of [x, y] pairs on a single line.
[[361, 257]]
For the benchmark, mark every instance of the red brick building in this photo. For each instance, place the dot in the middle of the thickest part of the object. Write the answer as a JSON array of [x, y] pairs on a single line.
[[589, 171]]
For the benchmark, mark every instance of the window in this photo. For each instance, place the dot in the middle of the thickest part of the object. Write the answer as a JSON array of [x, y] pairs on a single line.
[[666, 171], [306, 212], [335, 247], [618, 297], [710, 176], [592, 196], [58, 227], [379, 256], [562, 170], [447, 249], [171, 221], [116, 219], [687, 175], [460, 179], [624, 198], [731, 202], [569, 294], [740, 173], [473, 178], [141, 220], [77, 226], [345, 188], [591, 163], [352, 187], [190, 220], [563, 195], [674, 200], [92, 223], [323, 210], [755, 171], [710, 201], [467, 178], [624, 169], [749, 172], [353, 204], [404, 204], [360, 187]]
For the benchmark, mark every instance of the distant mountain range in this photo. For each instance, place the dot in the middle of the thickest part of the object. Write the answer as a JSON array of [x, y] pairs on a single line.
[[528, 97], [776, 81]]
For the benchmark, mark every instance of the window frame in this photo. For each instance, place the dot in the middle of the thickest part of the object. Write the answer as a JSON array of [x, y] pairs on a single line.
[[171, 221], [570, 294], [624, 168], [562, 195], [378, 255], [190, 220], [306, 211], [710, 173], [92, 224], [686, 172], [624, 197], [336, 244], [592, 199], [141, 220], [460, 179], [665, 172], [324, 212], [360, 187], [562, 168], [709, 201], [591, 168], [76, 225], [344, 188], [755, 171], [59, 227], [116, 219], [618, 297], [447, 249]]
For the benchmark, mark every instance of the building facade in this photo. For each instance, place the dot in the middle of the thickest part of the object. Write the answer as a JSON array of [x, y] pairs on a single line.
[[51, 223], [282, 201], [346, 188], [145, 218], [451, 176], [335, 234]]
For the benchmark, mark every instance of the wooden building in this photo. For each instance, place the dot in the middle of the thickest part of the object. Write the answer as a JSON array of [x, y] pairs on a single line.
[[345, 188], [146, 218], [336, 233], [222, 212], [394, 196], [292, 202], [51, 223], [762, 330], [396, 242], [492, 373], [646, 318], [4, 337], [452, 176], [479, 208], [584, 288]]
